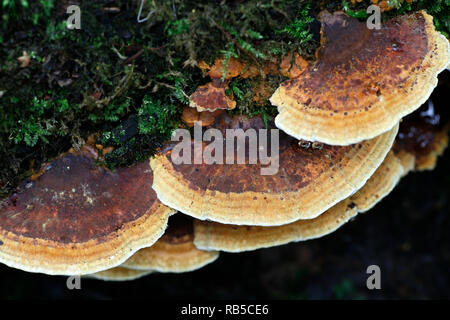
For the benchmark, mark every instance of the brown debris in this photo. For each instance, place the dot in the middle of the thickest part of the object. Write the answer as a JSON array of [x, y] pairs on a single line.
[[191, 115], [24, 59], [215, 71], [212, 97], [293, 65]]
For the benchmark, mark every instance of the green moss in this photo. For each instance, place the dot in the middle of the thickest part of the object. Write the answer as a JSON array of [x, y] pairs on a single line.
[[360, 14], [34, 12], [439, 9], [37, 127], [142, 132], [155, 117], [300, 27], [177, 27], [242, 90], [345, 289]]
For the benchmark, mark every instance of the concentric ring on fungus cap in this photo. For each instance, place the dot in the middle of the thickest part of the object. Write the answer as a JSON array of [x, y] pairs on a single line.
[[232, 238], [174, 251], [364, 81], [423, 136], [80, 218], [308, 182]]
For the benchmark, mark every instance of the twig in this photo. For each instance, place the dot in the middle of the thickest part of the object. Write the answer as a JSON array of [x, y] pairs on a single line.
[[122, 57], [133, 57], [171, 87], [140, 52]]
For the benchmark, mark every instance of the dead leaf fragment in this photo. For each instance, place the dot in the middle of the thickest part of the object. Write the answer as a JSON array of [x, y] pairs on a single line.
[[24, 59]]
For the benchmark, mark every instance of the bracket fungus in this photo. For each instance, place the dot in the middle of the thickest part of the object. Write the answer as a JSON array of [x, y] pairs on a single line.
[[79, 218], [292, 65], [212, 97], [174, 251], [233, 238], [119, 274], [364, 81], [307, 183], [381, 183], [190, 116], [423, 137], [234, 68], [237, 238], [343, 138], [398, 163]]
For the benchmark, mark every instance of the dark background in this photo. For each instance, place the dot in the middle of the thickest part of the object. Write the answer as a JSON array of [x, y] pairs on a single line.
[[406, 235]]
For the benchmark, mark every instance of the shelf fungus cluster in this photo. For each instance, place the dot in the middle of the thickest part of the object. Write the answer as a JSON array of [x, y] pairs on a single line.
[[343, 146], [78, 217], [364, 81]]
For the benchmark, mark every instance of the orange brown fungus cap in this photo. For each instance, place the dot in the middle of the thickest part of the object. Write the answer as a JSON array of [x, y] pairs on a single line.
[[211, 97], [190, 116], [80, 218], [174, 252], [234, 68], [119, 274], [233, 238], [423, 137], [381, 183], [364, 81], [252, 71], [308, 182], [267, 68], [293, 65], [383, 4], [237, 68], [261, 92]]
